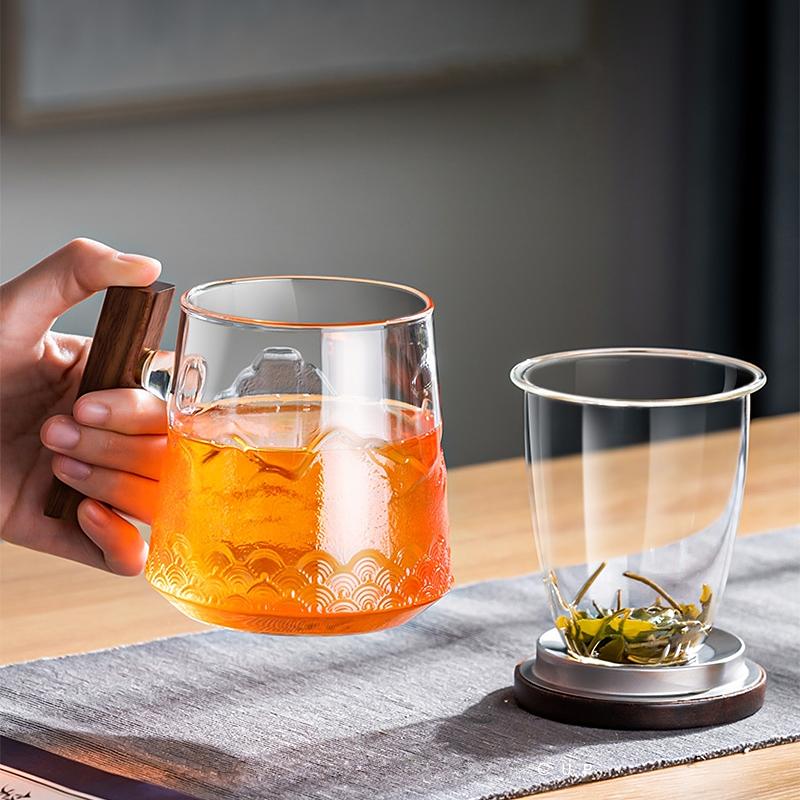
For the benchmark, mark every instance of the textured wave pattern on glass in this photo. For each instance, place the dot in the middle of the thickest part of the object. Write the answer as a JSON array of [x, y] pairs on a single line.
[[254, 578], [273, 509]]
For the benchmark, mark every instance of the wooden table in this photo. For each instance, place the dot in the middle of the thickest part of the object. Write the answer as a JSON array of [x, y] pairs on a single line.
[[51, 607]]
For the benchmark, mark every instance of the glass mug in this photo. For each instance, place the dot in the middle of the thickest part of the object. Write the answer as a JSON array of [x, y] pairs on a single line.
[[303, 490], [635, 530]]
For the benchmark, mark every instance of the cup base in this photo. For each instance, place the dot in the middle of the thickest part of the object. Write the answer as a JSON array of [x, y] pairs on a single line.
[[279, 625], [721, 686]]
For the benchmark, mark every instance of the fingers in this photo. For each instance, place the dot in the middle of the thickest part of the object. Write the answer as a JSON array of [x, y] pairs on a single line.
[[124, 550], [130, 411], [131, 494], [115, 456], [32, 301], [141, 455], [101, 540]]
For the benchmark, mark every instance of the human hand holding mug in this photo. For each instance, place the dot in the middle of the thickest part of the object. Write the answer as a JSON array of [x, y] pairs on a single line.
[[108, 445], [303, 486]]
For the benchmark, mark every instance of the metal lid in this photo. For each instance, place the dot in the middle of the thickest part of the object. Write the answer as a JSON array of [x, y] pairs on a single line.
[[720, 666]]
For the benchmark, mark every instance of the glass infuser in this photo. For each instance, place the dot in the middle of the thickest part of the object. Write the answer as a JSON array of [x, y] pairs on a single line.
[[303, 490], [635, 533]]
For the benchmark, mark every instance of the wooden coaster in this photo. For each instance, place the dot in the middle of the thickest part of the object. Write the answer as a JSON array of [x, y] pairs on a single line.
[[671, 713]]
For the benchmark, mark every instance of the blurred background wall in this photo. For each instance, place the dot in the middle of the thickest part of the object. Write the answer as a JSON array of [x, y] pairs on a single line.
[[644, 192]]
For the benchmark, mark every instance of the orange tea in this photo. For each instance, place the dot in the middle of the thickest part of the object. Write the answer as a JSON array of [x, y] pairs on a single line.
[[290, 515]]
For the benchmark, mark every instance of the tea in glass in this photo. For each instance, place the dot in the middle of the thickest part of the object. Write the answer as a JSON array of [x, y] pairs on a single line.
[[279, 515]]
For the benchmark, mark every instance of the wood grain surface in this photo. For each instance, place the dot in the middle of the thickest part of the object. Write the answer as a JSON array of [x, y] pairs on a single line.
[[131, 322], [50, 607]]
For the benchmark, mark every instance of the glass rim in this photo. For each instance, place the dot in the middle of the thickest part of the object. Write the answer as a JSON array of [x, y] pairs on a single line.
[[190, 305], [758, 377]]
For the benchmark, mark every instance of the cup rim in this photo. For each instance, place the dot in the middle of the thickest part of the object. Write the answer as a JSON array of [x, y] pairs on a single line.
[[758, 377], [190, 306]]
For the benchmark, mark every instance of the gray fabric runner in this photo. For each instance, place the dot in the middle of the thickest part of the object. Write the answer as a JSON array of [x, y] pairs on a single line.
[[422, 711]]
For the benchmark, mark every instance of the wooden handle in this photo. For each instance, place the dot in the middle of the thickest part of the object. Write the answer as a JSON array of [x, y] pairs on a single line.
[[130, 324]]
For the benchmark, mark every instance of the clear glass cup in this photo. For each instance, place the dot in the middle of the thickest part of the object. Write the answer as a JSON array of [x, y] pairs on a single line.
[[304, 483], [635, 528]]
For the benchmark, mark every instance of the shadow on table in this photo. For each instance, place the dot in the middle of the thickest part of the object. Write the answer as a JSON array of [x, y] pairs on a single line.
[[496, 727], [468, 751]]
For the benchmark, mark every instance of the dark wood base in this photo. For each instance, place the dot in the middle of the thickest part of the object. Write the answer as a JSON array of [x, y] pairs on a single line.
[[623, 715]]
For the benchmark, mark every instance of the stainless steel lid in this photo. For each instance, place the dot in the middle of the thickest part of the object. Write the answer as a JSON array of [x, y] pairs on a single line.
[[720, 668]]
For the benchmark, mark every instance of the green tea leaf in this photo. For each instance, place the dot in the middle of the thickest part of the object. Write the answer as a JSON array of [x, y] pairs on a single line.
[[666, 632], [612, 650]]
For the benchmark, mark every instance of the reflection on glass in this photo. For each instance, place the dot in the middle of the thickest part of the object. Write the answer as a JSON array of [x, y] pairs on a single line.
[[635, 532], [304, 482]]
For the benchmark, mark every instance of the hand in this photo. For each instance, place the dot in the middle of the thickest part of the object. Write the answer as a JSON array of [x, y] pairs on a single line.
[[109, 445]]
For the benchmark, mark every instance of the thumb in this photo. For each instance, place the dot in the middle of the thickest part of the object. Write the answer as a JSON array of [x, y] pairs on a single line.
[[31, 302]]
